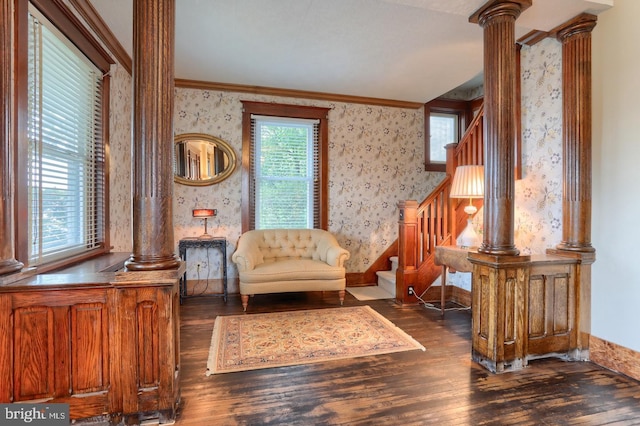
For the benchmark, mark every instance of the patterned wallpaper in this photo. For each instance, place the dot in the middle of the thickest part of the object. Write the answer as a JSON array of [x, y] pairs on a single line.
[[375, 160], [538, 201], [538, 195], [120, 157]]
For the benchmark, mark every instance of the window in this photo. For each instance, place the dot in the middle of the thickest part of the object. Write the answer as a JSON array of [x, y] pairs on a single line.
[[444, 130], [64, 189], [284, 170], [445, 121], [286, 153]]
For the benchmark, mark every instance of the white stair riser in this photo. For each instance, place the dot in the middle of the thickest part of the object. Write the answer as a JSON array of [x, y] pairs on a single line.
[[387, 281]]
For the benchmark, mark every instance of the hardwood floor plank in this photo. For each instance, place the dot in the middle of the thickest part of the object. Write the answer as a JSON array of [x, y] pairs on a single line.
[[439, 386]]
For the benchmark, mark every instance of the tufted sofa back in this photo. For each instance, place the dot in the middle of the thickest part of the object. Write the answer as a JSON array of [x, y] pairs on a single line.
[[270, 245]]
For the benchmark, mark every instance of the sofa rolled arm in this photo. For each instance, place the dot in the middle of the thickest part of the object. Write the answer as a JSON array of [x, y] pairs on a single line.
[[246, 258], [336, 256]]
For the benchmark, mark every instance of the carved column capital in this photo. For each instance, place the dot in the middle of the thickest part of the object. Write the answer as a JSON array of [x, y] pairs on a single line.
[[581, 25], [497, 10]]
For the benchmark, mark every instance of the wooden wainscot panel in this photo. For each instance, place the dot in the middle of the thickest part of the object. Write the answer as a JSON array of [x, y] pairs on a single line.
[[6, 349], [551, 307], [147, 306], [54, 346], [105, 343], [34, 356], [90, 366]]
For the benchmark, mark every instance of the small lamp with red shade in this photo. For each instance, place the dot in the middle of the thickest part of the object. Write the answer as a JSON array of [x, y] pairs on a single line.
[[204, 214]]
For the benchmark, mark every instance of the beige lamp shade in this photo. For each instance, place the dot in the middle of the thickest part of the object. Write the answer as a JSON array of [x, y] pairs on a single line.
[[468, 182]]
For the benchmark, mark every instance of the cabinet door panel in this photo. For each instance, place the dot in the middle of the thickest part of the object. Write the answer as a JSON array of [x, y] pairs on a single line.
[[89, 336], [34, 353]]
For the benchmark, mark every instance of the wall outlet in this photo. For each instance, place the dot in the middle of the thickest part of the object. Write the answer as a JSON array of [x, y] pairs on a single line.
[[198, 267], [411, 290]]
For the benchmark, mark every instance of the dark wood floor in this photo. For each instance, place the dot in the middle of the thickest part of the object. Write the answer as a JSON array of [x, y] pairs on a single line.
[[440, 386]]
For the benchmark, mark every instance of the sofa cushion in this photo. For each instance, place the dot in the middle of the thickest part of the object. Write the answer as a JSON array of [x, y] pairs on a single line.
[[282, 243], [291, 269]]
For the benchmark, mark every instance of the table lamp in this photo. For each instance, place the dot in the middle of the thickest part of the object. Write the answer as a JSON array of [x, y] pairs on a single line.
[[468, 182], [204, 214]]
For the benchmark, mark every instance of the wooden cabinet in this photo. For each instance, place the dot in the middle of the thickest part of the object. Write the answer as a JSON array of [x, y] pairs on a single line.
[[529, 307], [107, 344], [551, 309], [59, 346], [498, 318]]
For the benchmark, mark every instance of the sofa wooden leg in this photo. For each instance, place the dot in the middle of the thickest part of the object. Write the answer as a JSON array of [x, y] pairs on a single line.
[[245, 301], [341, 294]]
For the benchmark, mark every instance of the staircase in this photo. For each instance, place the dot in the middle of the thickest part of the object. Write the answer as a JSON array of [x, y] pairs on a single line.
[[437, 221]]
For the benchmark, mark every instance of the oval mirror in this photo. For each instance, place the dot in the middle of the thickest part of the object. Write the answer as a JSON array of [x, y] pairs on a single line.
[[200, 159]]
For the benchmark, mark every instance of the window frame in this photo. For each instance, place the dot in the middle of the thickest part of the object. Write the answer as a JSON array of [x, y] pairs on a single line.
[[72, 28], [461, 109], [284, 111]]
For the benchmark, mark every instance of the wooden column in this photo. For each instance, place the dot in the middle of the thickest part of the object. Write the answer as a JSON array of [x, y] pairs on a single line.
[[500, 276], [575, 37], [8, 263], [153, 98], [497, 18]]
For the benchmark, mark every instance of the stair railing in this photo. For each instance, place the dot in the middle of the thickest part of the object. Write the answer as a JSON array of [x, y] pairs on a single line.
[[435, 221]]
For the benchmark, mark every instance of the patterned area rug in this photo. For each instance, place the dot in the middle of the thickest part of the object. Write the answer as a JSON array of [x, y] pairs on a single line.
[[254, 341]]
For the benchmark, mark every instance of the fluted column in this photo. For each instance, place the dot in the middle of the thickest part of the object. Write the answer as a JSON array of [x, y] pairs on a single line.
[[153, 97], [498, 18], [575, 37], [8, 264]]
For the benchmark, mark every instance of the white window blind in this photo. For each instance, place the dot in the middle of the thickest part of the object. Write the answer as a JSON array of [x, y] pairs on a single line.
[[285, 172], [66, 153]]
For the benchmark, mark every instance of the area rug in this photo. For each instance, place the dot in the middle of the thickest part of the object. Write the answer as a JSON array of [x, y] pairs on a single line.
[[255, 341]]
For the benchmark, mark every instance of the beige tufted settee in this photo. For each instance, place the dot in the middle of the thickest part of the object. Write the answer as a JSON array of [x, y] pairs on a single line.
[[288, 260]]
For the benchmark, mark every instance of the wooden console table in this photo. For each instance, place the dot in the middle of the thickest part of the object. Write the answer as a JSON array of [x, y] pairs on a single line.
[[454, 258], [219, 243]]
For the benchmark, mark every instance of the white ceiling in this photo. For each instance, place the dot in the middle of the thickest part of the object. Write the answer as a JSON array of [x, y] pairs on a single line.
[[407, 50]]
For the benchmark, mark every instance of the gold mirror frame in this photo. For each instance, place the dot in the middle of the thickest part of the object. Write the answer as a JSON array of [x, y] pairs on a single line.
[[217, 150]]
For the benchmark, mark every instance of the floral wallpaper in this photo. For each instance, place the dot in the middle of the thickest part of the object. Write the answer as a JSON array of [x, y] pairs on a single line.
[[538, 202], [375, 161], [538, 195], [120, 160]]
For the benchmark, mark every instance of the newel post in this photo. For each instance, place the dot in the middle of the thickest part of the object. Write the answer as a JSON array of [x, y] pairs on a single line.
[[407, 272]]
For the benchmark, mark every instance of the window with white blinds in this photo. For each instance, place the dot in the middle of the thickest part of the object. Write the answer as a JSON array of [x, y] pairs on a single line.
[[285, 167], [65, 152]]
